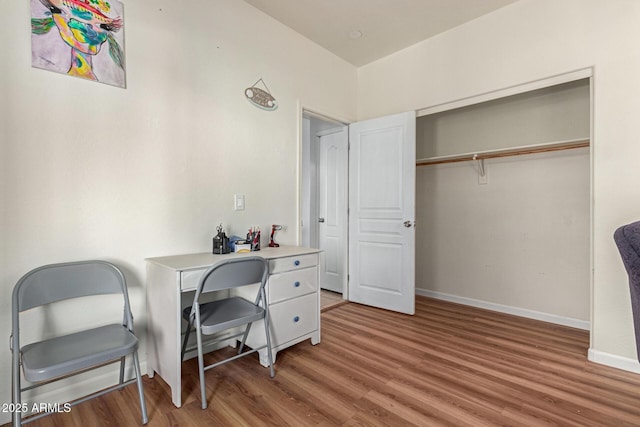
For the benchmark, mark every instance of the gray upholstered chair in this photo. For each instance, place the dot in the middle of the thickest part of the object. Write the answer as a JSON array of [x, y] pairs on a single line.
[[231, 313], [627, 238], [65, 355]]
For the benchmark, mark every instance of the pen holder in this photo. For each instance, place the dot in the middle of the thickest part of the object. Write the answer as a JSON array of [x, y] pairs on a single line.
[[255, 244], [253, 238], [220, 244]]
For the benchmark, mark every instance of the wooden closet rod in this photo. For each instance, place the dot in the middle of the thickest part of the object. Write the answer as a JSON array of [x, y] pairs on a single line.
[[504, 153]]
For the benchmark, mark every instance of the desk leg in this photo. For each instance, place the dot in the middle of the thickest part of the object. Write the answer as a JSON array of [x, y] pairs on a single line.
[[174, 348], [264, 358], [163, 328]]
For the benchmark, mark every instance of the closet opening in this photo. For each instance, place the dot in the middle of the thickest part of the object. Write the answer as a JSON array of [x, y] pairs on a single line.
[[503, 201]]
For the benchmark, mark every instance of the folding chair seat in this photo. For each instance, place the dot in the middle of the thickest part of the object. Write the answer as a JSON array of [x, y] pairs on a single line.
[[230, 313], [66, 355]]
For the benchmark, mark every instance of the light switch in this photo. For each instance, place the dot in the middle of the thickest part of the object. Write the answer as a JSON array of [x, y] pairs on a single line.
[[238, 202]]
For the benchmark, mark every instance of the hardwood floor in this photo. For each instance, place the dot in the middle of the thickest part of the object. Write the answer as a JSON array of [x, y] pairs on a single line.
[[329, 300], [447, 365]]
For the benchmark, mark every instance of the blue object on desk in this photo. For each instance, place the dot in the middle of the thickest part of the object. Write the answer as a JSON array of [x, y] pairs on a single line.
[[232, 242]]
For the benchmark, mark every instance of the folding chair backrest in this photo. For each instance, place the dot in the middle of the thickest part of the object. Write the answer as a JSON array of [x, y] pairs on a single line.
[[57, 282], [234, 273]]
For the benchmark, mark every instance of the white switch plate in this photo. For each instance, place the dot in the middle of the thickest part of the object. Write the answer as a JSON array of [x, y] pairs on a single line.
[[238, 202]]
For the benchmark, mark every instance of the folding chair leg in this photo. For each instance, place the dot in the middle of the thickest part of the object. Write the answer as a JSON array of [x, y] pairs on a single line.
[[186, 339], [244, 337], [122, 359], [16, 398], [266, 330], [143, 405], [201, 369]]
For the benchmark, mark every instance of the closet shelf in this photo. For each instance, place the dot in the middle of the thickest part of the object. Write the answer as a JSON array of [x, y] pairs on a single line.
[[513, 151]]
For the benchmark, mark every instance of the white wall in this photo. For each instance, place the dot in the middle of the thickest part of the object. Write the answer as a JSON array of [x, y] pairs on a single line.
[[527, 41], [554, 114], [520, 241], [307, 168], [93, 171]]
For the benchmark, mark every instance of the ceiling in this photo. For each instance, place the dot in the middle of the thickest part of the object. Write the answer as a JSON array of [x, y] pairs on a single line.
[[386, 26]]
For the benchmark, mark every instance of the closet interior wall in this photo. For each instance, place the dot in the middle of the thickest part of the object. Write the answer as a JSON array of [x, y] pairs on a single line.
[[516, 235]]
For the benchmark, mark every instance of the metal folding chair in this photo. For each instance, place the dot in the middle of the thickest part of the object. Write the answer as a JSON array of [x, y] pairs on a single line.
[[232, 312], [66, 355]]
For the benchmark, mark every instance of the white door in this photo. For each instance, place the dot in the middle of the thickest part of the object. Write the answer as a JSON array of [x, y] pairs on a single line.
[[382, 159], [332, 208]]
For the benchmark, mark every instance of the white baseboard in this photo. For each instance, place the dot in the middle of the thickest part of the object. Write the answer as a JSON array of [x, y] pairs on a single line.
[[619, 362], [608, 359], [531, 314]]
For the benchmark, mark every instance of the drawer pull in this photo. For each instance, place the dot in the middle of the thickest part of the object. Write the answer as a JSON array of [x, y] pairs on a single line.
[[296, 262], [297, 284], [296, 319]]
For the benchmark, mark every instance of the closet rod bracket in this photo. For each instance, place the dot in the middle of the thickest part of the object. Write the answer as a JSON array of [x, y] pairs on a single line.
[[482, 173]]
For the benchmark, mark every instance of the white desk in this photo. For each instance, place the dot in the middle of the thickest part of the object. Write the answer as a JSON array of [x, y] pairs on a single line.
[[292, 292]]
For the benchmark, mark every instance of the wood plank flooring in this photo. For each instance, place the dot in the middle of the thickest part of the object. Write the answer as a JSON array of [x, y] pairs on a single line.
[[329, 300], [447, 365]]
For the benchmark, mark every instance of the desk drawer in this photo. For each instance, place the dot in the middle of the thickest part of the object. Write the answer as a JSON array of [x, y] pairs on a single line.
[[279, 265], [292, 284], [189, 279], [293, 318]]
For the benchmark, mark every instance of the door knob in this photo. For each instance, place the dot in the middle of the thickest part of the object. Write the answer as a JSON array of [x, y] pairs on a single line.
[[407, 224], [320, 219]]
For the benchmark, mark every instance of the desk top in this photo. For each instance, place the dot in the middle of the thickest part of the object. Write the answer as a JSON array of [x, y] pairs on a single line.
[[205, 259]]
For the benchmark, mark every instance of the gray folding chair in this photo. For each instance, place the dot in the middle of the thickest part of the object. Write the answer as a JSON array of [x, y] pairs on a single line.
[[62, 356], [230, 313]]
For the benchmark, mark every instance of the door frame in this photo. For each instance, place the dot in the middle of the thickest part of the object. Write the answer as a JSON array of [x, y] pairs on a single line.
[[303, 112], [305, 169]]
